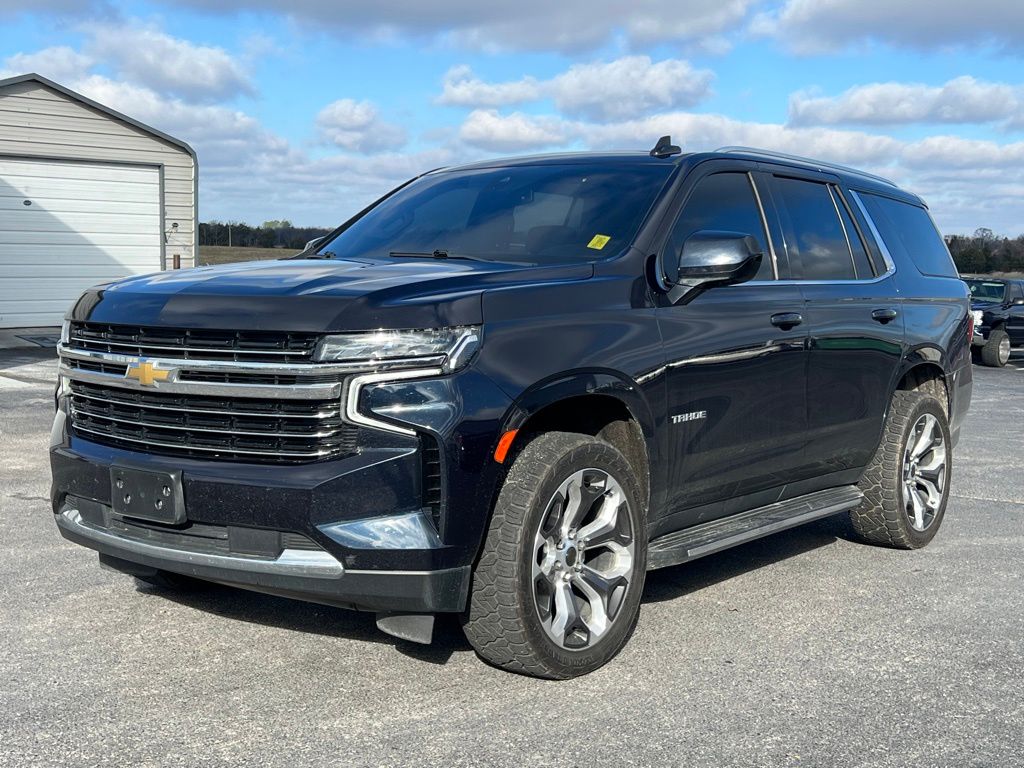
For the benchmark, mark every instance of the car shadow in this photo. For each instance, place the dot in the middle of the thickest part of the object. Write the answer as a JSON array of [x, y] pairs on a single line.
[[681, 580], [662, 585], [298, 616], [12, 358]]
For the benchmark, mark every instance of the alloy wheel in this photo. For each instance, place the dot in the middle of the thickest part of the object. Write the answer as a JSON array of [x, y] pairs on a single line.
[[924, 472], [583, 559]]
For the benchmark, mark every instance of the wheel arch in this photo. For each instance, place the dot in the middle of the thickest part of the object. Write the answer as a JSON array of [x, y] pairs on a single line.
[[596, 402]]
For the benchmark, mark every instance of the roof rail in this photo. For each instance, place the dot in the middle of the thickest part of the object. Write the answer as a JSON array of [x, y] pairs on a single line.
[[767, 153]]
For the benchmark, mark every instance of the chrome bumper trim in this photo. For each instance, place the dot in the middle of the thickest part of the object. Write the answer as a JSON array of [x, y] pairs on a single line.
[[291, 562]]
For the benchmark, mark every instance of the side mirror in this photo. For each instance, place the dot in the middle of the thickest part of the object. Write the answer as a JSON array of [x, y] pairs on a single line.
[[711, 257]]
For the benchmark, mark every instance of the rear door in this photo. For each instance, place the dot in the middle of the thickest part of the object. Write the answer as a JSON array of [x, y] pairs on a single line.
[[853, 316]]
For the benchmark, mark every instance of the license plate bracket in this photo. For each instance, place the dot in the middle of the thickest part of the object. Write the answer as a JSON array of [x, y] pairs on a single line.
[[147, 495]]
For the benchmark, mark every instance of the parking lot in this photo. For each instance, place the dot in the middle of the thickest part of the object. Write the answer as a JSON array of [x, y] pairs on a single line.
[[802, 649]]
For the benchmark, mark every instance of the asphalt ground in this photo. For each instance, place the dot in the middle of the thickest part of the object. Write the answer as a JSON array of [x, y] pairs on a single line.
[[802, 649]]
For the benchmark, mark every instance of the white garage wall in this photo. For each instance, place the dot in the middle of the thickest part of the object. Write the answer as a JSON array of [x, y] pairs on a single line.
[[65, 226], [44, 122]]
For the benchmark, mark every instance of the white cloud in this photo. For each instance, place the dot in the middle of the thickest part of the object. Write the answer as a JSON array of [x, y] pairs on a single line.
[[357, 125], [167, 64], [486, 129], [462, 88], [962, 100], [57, 63], [629, 86], [569, 25], [617, 89], [819, 26]]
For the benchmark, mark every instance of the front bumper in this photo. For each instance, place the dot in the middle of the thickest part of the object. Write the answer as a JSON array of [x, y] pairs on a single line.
[[315, 576], [235, 503]]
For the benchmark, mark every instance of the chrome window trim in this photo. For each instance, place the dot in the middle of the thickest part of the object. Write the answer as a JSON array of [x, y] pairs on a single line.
[[842, 226], [889, 263], [764, 225]]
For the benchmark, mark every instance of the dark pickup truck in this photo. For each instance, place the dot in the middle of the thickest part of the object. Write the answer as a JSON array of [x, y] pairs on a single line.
[[998, 308], [507, 390]]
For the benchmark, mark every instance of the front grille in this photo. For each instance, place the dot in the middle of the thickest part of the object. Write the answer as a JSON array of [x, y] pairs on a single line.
[[194, 344], [243, 429]]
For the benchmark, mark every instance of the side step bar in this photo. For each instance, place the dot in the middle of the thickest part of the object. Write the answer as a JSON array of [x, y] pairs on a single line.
[[716, 535]]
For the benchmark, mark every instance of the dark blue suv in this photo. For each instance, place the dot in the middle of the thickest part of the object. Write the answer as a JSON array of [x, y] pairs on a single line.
[[507, 390]]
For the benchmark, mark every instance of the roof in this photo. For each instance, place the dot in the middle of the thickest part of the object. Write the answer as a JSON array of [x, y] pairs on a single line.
[[33, 77], [850, 176]]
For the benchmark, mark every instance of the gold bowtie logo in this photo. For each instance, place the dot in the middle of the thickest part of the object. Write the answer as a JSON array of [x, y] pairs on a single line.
[[146, 373]]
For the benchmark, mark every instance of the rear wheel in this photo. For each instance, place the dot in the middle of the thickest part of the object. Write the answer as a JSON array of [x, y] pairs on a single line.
[[996, 352], [906, 486], [557, 590]]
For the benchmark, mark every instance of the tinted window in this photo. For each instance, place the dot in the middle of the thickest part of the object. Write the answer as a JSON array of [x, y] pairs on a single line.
[[530, 213], [816, 237], [860, 256], [987, 290], [908, 230], [1016, 291], [724, 202]]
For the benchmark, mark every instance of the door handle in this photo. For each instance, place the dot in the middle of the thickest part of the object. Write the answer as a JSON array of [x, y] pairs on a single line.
[[787, 320], [884, 316]]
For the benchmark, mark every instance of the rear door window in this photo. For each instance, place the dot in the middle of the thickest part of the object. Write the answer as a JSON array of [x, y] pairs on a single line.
[[816, 241], [908, 230]]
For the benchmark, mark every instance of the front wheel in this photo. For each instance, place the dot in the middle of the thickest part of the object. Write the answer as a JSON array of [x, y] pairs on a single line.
[[557, 590], [996, 352]]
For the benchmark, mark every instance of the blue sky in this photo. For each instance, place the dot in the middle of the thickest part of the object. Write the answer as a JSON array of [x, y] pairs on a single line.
[[308, 109]]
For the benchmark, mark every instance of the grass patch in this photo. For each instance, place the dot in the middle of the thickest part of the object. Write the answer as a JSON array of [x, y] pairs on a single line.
[[222, 254]]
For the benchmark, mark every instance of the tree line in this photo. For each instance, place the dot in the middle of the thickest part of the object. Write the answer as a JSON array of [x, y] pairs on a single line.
[[270, 234], [984, 252]]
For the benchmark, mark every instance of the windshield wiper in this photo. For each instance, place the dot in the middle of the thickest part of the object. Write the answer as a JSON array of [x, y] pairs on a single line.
[[437, 253], [440, 253]]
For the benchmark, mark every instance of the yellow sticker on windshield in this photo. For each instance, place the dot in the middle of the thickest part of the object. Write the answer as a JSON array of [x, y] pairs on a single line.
[[597, 242]]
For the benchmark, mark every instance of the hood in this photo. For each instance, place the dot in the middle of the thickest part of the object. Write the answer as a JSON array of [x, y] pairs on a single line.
[[984, 304], [313, 294]]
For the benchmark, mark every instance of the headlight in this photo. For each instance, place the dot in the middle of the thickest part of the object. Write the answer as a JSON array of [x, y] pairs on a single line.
[[976, 314], [65, 332], [455, 345]]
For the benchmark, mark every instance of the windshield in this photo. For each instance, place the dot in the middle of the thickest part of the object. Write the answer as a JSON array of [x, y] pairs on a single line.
[[986, 290], [530, 213]]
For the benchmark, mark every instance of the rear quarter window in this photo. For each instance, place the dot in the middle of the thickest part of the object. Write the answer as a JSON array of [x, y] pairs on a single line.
[[908, 231]]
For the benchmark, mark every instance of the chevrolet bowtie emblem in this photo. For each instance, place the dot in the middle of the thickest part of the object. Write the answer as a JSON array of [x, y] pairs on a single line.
[[146, 373]]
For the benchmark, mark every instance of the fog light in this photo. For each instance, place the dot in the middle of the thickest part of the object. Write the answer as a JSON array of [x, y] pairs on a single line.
[[410, 530]]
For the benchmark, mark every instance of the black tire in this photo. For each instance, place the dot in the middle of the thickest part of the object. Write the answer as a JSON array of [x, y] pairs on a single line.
[[883, 517], [503, 621], [171, 581], [996, 352], [976, 355]]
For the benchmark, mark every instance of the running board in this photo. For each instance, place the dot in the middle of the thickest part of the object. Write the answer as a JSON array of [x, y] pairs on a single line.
[[716, 535]]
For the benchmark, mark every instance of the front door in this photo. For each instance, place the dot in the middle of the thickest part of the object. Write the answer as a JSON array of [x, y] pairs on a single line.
[[736, 368]]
